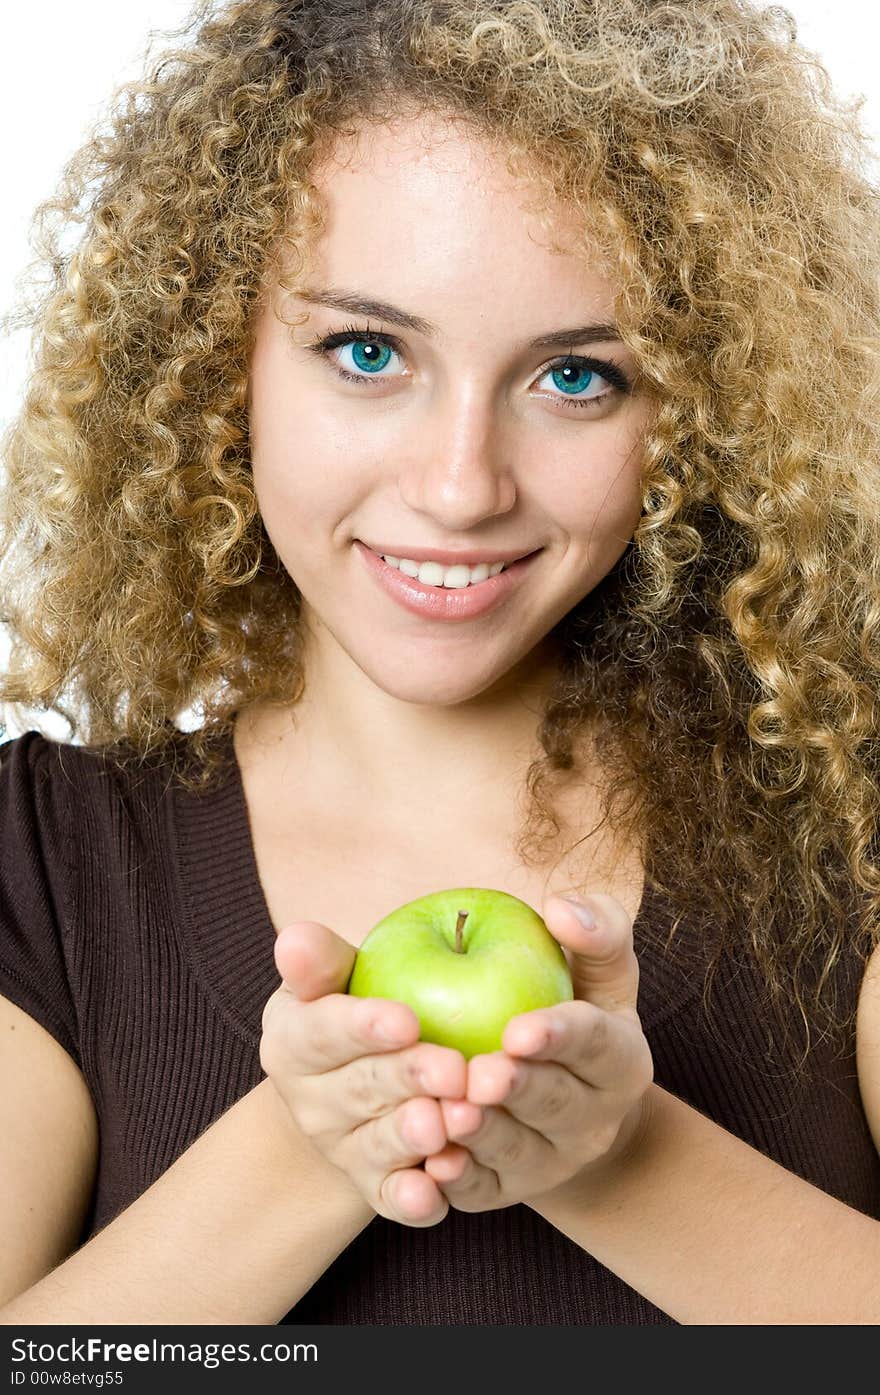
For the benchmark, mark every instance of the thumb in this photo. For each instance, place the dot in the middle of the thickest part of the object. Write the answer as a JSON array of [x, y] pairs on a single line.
[[602, 960], [312, 960]]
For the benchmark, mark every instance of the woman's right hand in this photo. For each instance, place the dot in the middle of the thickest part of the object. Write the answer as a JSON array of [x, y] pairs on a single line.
[[369, 1103]]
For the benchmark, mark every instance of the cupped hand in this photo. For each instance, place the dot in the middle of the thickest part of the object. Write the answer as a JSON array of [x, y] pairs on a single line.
[[569, 1092], [354, 1076]]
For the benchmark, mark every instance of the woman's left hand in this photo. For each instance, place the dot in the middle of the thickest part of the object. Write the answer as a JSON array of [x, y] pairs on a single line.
[[569, 1093]]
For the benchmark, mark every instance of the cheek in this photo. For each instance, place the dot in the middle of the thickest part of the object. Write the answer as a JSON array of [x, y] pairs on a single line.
[[600, 501], [304, 494], [295, 502], [301, 453], [291, 471]]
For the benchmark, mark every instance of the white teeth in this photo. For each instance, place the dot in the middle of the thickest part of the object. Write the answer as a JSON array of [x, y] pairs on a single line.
[[434, 574]]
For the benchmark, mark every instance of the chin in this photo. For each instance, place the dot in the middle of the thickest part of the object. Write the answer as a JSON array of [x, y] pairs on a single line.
[[423, 693], [427, 685]]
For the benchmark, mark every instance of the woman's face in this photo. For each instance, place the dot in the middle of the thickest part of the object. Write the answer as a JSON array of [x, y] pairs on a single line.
[[460, 434]]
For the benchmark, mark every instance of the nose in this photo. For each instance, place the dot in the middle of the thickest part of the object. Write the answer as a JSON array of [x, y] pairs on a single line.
[[458, 473]]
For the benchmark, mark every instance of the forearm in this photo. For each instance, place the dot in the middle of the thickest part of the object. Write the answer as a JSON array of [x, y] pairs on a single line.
[[712, 1231], [236, 1230]]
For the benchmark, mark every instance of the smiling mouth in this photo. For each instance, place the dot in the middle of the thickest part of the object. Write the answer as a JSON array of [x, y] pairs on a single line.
[[430, 598], [436, 574], [437, 569]]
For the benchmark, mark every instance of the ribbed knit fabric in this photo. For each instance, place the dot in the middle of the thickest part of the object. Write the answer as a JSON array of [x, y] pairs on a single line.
[[134, 928]]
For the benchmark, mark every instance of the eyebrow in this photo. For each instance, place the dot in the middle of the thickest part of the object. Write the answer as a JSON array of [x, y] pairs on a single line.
[[356, 304]]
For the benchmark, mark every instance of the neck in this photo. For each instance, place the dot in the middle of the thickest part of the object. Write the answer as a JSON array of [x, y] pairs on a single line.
[[452, 768]]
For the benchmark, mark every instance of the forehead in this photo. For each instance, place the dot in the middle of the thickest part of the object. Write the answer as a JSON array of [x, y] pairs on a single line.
[[443, 142], [430, 201]]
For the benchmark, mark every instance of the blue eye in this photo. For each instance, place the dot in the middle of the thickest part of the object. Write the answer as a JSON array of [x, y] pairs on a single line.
[[573, 376], [372, 350], [370, 356]]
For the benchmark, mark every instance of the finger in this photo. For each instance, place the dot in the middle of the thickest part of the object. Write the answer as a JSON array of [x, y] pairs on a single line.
[[603, 963], [449, 1164], [401, 1137], [474, 1188], [542, 1094], [546, 1097], [412, 1129], [391, 1146], [318, 1036], [500, 1142], [599, 1048], [312, 960], [374, 1084], [413, 1198], [461, 1117]]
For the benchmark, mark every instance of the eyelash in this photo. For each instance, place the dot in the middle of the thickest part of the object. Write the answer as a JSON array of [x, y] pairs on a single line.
[[350, 334]]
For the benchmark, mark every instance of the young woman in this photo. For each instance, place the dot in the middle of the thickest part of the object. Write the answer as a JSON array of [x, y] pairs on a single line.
[[469, 411]]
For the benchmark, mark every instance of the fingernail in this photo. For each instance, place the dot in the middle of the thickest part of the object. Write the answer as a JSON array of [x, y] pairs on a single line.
[[582, 911]]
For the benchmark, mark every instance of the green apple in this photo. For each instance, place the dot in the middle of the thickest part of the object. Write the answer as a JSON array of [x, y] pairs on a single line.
[[465, 961]]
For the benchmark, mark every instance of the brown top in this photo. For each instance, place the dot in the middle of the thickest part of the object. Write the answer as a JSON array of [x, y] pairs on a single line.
[[134, 928]]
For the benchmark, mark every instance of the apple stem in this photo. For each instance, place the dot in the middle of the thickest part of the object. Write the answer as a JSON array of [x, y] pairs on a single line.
[[462, 917]]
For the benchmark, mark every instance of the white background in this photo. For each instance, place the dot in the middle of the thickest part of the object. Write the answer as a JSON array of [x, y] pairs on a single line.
[[62, 60]]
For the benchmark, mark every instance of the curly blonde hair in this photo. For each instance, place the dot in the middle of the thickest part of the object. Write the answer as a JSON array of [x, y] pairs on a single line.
[[728, 663]]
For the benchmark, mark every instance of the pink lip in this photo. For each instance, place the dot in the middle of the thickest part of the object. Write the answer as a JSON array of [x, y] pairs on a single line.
[[445, 603]]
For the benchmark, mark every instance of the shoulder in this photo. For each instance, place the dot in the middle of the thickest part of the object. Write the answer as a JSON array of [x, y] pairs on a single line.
[[28, 749], [868, 1044], [49, 772], [46, 759], [40, 755], [72, 799], [29, 770]]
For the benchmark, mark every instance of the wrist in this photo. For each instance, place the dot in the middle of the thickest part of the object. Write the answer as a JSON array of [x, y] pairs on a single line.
[[618, 1159], [303, 1165]]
